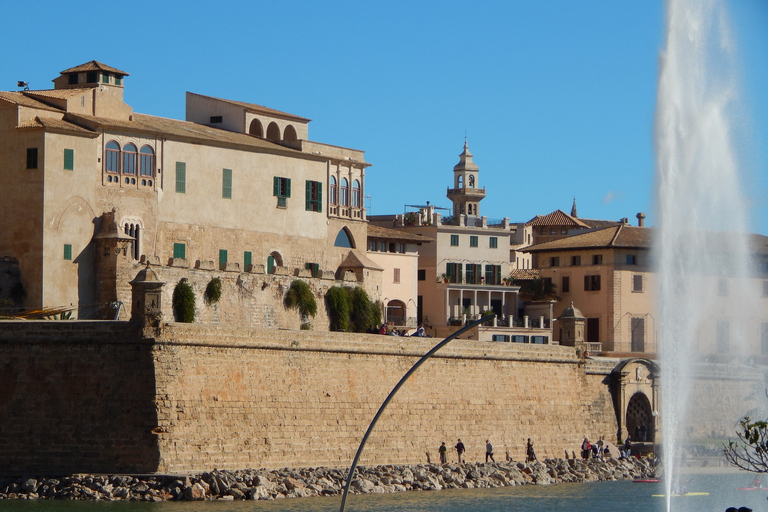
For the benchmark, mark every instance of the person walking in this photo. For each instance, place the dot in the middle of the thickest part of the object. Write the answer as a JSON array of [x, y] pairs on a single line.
[[443, 449], [489, 451], [460, 449], [530, 455]]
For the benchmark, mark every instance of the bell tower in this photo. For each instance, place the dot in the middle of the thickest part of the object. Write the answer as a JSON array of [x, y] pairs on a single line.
[[466, 193]]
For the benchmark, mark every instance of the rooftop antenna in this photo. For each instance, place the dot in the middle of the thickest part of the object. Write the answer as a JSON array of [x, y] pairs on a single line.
[[25, 85]]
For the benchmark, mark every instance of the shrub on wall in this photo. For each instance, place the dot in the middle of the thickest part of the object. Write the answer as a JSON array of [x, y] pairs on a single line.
[[213, 291], [337, 306], [300, 297], [350, 309], [184, 302]]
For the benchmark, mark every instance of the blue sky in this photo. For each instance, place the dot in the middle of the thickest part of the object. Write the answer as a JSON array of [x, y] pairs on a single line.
[[555, 97]]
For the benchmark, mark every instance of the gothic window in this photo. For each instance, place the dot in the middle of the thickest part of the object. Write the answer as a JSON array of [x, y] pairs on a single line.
[[112, 158], [129, 159], [147, 162], [344, 192], [333, 193], [356, 194]]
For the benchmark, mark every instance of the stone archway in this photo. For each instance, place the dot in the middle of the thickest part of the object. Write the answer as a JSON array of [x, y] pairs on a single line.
[[636, 398], [639, 418]]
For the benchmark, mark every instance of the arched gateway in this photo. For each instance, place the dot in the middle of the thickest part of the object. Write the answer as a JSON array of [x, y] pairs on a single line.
[[636, 399]]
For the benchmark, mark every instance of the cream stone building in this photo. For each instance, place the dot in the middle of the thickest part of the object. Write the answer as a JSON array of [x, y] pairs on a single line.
[[465, 270], [607, 274], [96, 191]]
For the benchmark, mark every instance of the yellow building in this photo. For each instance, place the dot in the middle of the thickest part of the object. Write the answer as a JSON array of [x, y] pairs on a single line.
[[234, 187]]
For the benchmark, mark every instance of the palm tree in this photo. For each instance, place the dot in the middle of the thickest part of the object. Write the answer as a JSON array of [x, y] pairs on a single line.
[[537, 289]]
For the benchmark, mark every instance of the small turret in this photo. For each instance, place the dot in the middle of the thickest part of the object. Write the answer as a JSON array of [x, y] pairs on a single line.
[[466, 193]]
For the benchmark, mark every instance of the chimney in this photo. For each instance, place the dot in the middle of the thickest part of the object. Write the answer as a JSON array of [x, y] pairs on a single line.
[[641, 219]]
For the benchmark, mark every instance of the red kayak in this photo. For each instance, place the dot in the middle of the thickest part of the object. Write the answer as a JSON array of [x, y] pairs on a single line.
[[752, 488], [646, 481]]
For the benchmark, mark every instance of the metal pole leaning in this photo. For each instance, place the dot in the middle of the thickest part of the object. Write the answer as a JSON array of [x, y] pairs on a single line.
[[392, 394]]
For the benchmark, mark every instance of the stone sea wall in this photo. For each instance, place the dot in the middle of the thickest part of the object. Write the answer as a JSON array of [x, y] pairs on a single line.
[[97, 397], [294, 483]]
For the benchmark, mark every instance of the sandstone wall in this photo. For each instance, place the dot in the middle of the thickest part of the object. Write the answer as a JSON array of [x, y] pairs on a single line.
[[93, 397], [75, 397], [250, 398]]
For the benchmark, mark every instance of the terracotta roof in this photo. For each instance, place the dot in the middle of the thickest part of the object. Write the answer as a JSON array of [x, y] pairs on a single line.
[[19, 98], [522, 274], [556, 218], [59, 93], [174, 127], [614, 237], [596, 223], [95, 65], [356, 259], [258, 108], [395, 234], [55, 124]]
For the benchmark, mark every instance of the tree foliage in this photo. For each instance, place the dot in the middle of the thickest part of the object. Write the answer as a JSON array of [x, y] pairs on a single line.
[[212, 291], [538, 288], [300, 297], [750, 451], [183, 302], [350, 309]]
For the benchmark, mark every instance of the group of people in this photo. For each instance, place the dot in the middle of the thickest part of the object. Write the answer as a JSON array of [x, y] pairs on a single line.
[[420, 332], [530, 455]]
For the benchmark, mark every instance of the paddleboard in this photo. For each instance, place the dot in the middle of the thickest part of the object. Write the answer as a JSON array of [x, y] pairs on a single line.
[[752, 488], [681, 495]]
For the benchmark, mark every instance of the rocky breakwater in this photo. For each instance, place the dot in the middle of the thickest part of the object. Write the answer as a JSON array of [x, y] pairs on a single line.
[[294, 483]]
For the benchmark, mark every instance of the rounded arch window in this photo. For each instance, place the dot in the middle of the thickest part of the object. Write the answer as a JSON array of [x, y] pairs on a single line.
[[460, 181], [290, 133], [344, 192], [333, 196], [273, 131], [112, 157], [256, 128], [356, 194], [274, 260], [147, 161], [129, 159], [471, 181], [395, 312]]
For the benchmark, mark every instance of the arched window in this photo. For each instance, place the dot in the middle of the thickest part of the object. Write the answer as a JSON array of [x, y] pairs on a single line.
[[133, 230], [471, 181], [460, 182], [290, 133], [274, 260], [112, 157], [147, 162], [129, 159], [256, 129], [273, 131], [356, 194], [333, 196], [344, 239], [344, 192]]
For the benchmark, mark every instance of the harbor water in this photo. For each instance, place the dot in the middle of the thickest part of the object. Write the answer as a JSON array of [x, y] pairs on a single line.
[[722, 489]]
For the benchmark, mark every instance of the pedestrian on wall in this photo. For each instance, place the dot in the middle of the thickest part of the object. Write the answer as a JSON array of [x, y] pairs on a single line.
[[460, 449], [530, 455], [489, 451], [443, 449], [586, 447]]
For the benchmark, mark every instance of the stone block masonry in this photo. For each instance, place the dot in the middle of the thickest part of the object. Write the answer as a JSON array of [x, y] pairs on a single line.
[[88, 397]]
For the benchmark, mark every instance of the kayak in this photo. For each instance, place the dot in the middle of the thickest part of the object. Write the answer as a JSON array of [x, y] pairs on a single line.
[[646, 481], [681, 495], [752, 488]]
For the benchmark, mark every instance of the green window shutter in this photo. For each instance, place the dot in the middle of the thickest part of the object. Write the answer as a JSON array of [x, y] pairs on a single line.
[[275, 186], [288, 187], [270, 264], [69, 159], [459, 271], [226, 184], [319, 197], [222, 258], [181, 177], [68, 252], [247, 257], [180, 251], [498, 274], [308, 195]]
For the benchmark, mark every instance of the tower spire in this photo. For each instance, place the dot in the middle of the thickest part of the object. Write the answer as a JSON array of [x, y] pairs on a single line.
[[574, 214]]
